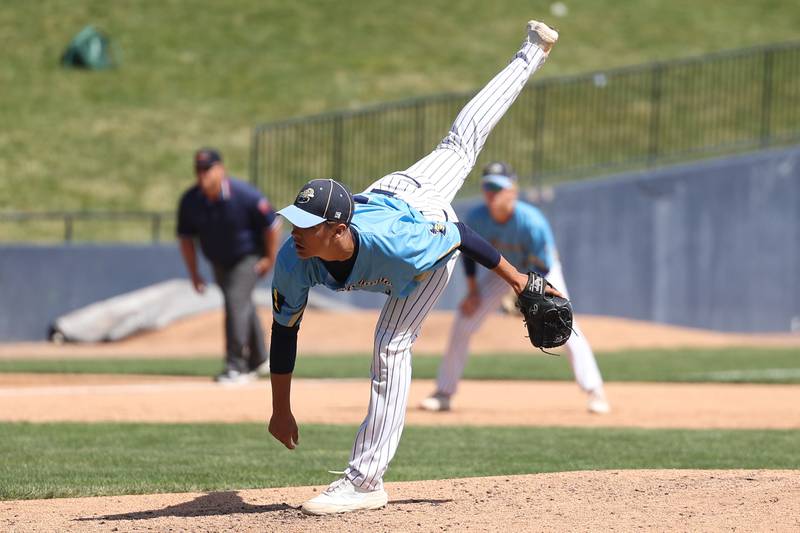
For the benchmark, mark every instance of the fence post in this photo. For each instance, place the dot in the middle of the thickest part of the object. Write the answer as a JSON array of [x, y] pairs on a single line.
[[156, 228], [655, 114], [67, 228], [338, 140], [766, 98], [255, 179], [419, 127], [538, 151]]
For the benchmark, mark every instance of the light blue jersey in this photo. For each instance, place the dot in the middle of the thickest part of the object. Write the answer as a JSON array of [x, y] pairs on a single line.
[[526, 240], [398, 247]]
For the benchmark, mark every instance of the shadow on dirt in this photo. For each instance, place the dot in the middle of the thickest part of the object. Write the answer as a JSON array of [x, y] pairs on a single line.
[[213, 504]]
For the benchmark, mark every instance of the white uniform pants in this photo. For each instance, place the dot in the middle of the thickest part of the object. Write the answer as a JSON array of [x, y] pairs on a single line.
[[429, 185], [492, 289]]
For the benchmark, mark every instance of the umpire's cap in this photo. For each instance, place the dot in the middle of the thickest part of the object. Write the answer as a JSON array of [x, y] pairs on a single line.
[[318, 201], [205, 158], [498, 175]]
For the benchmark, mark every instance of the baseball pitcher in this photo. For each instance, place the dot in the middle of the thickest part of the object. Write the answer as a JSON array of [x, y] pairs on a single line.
[[400, 237]]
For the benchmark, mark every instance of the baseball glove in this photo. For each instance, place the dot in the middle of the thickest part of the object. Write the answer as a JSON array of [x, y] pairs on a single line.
[[547, 317]]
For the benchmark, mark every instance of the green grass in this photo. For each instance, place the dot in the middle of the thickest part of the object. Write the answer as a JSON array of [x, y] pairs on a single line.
[[205, 72], [728, 365], [67, 459]]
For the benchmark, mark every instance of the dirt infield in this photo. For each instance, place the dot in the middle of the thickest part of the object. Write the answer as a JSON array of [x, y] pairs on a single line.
[[652, 500], [203, 335], [40, 398]]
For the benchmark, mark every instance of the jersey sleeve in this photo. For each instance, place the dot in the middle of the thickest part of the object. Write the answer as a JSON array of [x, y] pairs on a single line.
[[262, 214], [290, 285], [185, 226]]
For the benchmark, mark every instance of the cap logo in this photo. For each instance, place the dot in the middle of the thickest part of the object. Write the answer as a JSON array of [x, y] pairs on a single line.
[[305, 195], [338, 214]]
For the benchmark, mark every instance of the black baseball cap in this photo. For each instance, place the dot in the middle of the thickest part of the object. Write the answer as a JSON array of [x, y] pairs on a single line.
[[206, 158], [318, 201], [498, 175]]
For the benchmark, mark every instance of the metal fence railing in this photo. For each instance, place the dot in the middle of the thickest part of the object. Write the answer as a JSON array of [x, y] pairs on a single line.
[[116, 226], [559, 128]]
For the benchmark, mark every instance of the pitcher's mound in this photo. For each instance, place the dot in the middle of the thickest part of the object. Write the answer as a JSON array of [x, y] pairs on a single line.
[[653, 500]]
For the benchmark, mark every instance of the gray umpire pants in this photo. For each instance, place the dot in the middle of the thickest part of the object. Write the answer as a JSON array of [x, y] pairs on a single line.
[[244, 338]]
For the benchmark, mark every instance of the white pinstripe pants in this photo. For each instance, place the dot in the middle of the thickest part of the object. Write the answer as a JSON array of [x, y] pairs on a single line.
[[492, 290], [429, 185]]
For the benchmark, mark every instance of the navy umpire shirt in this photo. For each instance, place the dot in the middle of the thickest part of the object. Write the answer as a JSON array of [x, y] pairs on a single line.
[[230, 227]]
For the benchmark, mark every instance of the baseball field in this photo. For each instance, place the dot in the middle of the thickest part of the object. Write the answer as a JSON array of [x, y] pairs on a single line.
[[704, 428], [703, 434]]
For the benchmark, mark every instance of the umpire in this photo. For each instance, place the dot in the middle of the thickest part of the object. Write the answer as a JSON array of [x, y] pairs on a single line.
[[238, 233]]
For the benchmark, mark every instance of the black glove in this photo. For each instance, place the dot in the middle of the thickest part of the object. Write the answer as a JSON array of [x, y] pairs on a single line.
[[548, 318]]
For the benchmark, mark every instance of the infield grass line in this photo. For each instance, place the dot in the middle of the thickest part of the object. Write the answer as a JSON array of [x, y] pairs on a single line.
[[717, 365]]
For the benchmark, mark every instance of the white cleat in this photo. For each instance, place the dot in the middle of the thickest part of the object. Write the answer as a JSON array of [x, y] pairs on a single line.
[[234, 377], [437, 402], [541, 35], [342, 496], [598, 403], [262, 371]]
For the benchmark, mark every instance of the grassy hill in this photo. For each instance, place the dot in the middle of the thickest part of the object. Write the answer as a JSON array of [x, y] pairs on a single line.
[[203, 72]]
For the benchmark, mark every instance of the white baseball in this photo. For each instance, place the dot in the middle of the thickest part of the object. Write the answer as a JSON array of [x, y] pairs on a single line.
[[559, 9]]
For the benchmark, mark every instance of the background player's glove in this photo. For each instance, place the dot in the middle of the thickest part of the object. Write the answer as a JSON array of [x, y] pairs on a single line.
[[547, 317]]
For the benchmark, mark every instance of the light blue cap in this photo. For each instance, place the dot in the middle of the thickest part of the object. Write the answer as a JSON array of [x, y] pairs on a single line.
[[299, 217]]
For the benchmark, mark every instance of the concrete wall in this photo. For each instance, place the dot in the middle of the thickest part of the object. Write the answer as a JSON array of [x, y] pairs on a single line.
[[40, 283], [711, 245]]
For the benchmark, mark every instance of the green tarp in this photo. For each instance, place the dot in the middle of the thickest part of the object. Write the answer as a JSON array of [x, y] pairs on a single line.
[[89, 49]]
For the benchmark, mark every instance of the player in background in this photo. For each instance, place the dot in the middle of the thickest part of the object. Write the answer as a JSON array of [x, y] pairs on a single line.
[[238, 233], [522, 234], [401, 237]]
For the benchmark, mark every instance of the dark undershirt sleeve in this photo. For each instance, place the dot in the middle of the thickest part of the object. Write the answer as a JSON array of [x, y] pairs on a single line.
[[477, 248], [283, 348]]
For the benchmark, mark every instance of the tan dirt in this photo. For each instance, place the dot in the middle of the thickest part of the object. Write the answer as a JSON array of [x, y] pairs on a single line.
[[631, 500], [335, 333], [654, 500], [494, 403]]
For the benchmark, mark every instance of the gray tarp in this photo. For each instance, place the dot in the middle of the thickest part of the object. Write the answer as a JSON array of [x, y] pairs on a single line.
[[152, 308]]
